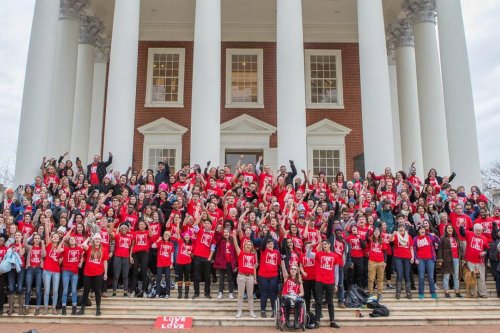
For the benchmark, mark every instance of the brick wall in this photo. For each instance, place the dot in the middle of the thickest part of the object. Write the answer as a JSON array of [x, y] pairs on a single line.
[[350, 116]]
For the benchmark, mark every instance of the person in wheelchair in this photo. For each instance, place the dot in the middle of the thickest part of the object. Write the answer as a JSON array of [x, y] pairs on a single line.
[[291, 297]]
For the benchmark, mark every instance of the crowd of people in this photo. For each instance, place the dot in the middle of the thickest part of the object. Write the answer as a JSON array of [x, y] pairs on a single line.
[[265, 233]]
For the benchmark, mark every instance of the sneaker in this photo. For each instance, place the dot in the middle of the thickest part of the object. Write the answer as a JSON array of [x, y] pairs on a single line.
[[434, 296], [160, 296], [195, 296], [167, 296], [447, 295], [113, 294], [390, 286], [421, 296], [208, 296], [263, 314], [238, 314], [436, 287], [231, 296], [334, 325], [341, 305], [253, 315], [132, 294], [458, 295], [219, 296]]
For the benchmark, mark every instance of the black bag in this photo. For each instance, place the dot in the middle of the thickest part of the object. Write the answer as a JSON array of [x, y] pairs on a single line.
[[310, 320], [379, 310], [356, 297]]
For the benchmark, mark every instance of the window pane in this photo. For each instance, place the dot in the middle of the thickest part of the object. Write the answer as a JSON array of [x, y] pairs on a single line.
[[165, 77], [327, 161], [323, 79], [245, 81], [158, 154]]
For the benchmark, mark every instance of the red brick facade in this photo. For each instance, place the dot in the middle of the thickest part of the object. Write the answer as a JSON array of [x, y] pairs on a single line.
[[350, 116]]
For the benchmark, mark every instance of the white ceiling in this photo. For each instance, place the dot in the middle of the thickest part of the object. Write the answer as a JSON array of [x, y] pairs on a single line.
[[246, 20]]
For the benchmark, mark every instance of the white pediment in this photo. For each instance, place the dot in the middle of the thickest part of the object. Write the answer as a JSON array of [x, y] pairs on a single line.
[[246, 124], [162, 126], [327, 127]]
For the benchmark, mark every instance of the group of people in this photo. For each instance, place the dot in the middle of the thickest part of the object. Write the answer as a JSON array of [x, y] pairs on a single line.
[[265, 233]]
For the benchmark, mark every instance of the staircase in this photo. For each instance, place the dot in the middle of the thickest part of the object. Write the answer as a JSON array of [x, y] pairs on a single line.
[[215, 312]]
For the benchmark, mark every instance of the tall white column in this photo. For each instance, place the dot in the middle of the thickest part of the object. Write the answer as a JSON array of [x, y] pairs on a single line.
[[291, 100], [98, 94], [393, 83], [205, 110], [409, 118], [37, 94], [90, 28], [378, 138], [430, 86], [63, 94], [459, 102], [120, 112]]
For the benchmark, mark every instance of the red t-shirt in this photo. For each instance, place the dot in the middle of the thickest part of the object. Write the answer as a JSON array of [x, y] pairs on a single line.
[[141, 239], [308, 267], [71, 258], [51, 262], [94, 179], [475, 245], [3, 250], [246, 263], [355, 243], [35, 256], [402, 251], [203, 243], [339, 248], [122, 245], [456, 220], [105, 238], [291, 287], [95, 266], [269, 263], [184, 253], [26, 228], [424, 247], [155, 228], [376, 251], [454, 247], [164, 256], [325, 263]]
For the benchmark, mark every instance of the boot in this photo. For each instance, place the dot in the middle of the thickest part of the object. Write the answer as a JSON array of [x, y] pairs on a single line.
[[98, 311], [179, 289], [73, 310], [11, 305], [63, 312], [26, 310], [398, 290], [408, 291], [82, 310], [186, 292], [20, 303]]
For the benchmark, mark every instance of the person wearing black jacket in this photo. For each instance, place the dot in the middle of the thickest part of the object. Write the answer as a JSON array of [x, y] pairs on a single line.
[[288, 175], [98, 167], [162, 174]]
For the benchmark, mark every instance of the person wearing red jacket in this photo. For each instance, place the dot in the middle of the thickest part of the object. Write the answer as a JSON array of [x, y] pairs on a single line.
[[225, 260]]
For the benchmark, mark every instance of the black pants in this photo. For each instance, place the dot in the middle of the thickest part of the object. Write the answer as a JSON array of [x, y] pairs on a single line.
[[222, 275], [388, 268], [182, 272], [358, 271], [326, 290], [160, 271], [3, 283], [309, 290], [298, 304], [94, 282], [201, 268], [365, 272], [140, 261]]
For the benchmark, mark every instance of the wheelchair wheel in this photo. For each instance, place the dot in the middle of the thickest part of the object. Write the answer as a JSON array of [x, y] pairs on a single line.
[[277, 317]]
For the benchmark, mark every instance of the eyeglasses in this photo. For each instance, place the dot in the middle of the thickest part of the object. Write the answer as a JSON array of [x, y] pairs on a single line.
[[293, 269]]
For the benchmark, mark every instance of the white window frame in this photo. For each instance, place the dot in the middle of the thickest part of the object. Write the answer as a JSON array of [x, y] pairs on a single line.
[[341, 148], [260, 78], [149, 81], [148, 146], [340, 87]]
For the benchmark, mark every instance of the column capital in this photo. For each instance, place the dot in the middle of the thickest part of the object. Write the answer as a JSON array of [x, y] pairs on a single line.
[[103, 50], [391, 50], [402, 31], [90, 29], [420, 10], [72, 9]]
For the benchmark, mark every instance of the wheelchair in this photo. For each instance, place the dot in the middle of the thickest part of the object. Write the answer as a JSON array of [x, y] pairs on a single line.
[[280, 318]]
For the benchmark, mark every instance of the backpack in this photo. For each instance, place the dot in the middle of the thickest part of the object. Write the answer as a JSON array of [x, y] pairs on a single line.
[[380, 310], [310, 320]]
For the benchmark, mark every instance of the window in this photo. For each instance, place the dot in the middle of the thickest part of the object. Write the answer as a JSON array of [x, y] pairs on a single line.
[[244, 78], [233, 156], [326, 160], [324, 79], [165, 81], [159, 154]]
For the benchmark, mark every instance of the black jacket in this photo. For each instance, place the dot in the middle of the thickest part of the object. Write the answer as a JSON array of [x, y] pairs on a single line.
[[101, 169], [163, 176]]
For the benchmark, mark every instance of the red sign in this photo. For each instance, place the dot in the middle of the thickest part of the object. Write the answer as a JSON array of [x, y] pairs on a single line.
[[173, 322]]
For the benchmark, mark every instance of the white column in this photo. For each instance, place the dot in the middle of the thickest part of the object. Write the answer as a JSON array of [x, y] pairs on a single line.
[[98, 94], [120, 112], [430, 87], [205, 110], [63, 94], [393, 83], [291, 100], [378, 138], [460, 118], [411, 142], [37, 94], [90, 28]]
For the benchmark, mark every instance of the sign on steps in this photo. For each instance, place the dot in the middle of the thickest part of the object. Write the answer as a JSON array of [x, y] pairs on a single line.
[[173, 322]]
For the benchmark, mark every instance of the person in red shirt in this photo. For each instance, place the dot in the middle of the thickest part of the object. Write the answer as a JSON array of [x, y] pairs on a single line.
[[292, 287], [425, 257], [403, 257], [476, 250], [51, 269], [163, 263], [268, 277], [247, 274], [121, 261], [308, 271], [448, 260], [72, 260], [204, 248], [139, 257], [95, 271], [34, 261], [183, 262], [225, 259], [377, 250], [358, 245], [325, 261]]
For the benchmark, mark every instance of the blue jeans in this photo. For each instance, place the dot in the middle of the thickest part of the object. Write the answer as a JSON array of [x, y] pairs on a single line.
[[159, 273], [16, 281], [268, 290], [33, 273], [426, 266], [403, 270], [446, 277], [47, 278], [67, 277]]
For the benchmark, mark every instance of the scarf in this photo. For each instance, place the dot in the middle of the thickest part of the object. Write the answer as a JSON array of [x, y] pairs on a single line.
[[403, 240]]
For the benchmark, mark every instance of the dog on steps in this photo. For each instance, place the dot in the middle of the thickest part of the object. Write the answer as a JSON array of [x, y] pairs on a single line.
[[470, 279]]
